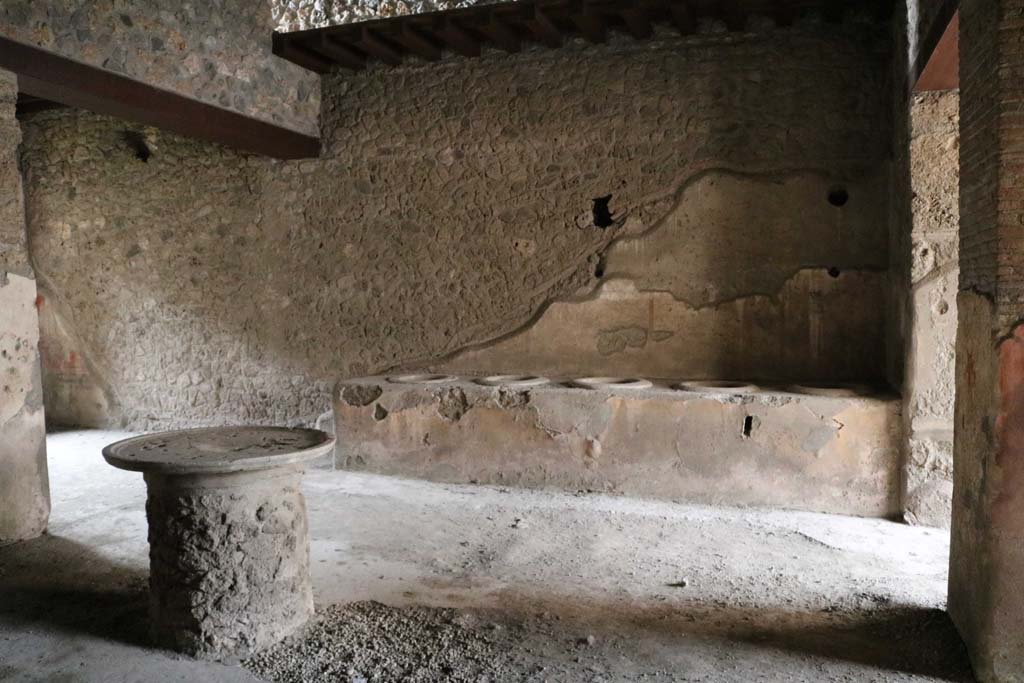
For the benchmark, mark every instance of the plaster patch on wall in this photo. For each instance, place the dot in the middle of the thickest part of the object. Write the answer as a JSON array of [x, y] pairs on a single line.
[[746, 276]]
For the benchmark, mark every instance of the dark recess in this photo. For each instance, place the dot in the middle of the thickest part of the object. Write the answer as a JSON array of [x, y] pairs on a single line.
[[137, 142], [602, 214], [838, 196]]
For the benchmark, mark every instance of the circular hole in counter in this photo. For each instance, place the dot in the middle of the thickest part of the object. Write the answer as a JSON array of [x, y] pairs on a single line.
[[717, 386], [612, 383], [513, 381], [422, 379], [835, 389]]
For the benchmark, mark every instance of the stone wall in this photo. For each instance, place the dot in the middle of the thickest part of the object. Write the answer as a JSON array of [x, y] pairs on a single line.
[[929, 384], [452, 204], [217, 52], [24, 487], [987, 542]]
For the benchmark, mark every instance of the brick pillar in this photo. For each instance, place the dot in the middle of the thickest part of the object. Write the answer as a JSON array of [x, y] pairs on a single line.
[[986, 582], [24, 487]]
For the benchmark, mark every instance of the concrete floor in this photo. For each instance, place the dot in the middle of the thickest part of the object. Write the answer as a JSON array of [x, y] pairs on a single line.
[[667, 592]]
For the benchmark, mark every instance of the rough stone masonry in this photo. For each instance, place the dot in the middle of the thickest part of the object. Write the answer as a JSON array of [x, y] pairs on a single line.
[[452, 204], [24, 488]]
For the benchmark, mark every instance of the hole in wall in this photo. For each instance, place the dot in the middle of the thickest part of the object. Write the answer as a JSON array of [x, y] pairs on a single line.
[[599, 268], [137, 143], [748, 426], [602, 214], [838, 196], [833, 272]]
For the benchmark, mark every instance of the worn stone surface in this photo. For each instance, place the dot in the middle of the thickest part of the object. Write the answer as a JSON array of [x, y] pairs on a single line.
[[24, 488], [771, 447], [229, 560], [571, 587], [349, 265], [929, 382], [219, 450], [217, 52]]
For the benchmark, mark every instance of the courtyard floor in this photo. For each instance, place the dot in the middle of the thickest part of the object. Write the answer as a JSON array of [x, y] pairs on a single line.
[[538, 586]]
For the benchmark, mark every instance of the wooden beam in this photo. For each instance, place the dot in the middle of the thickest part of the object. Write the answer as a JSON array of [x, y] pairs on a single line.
[[501, 34], [638, 22], [377, 47], [458, 38], [930, 42], [327, 45], [27, 104], [286, 48], [59, 79], [683, 17], [413, 40], [942, 71], [544, 28], [734, 16], [591, 24]]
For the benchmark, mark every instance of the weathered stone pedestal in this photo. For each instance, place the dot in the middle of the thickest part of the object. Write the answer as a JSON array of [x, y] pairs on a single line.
[[228, 536]]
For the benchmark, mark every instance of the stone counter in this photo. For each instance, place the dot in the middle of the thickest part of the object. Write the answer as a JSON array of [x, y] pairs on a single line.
[[798, 448]]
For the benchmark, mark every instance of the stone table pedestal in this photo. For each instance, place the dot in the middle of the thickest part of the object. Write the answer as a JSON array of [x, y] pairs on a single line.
[[228, 536]]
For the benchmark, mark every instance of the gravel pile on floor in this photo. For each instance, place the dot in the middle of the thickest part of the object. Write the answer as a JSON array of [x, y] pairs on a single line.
[[370, 642]]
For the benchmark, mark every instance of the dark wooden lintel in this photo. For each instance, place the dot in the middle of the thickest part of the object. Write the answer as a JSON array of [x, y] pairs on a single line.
[[345, 55], [501, 34], [458, 38], [418, 43], [638, 22], [373, 45], [52, 77], [591, 24], [544, 28], [505, 25]]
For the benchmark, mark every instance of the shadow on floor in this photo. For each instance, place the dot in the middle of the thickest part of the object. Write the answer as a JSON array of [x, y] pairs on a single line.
[[57, 584], [907, 639]]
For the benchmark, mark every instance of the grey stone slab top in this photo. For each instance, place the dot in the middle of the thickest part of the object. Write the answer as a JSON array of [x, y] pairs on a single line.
[[216, 450]]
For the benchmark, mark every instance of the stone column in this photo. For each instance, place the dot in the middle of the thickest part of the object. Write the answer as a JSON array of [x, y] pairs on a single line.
[[228, 536], [929, 382], [986, 581], [24, 486], [228, 560]]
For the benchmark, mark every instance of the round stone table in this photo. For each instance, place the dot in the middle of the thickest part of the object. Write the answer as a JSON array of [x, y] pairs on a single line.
[[228, 536]]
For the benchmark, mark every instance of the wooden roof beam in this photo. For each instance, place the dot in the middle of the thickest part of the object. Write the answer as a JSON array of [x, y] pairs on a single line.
[[638, 22], [418, 43], [501, 34], [544, 28], [590, 23], [57, 78], [458, 38], [683, 17], [377, 47], [328, 46]]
